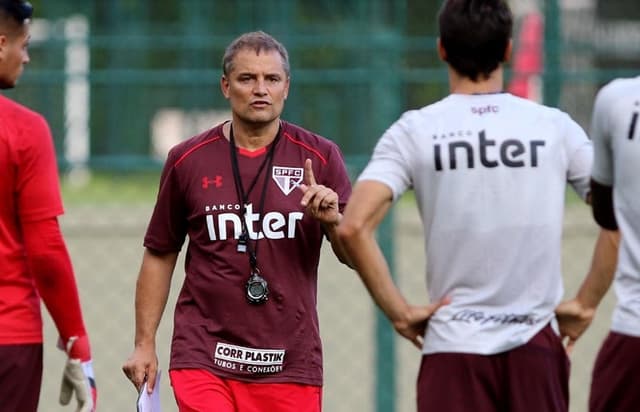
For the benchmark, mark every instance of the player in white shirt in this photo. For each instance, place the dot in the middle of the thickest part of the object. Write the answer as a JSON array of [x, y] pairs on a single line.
[[616, 205], [489, 171]]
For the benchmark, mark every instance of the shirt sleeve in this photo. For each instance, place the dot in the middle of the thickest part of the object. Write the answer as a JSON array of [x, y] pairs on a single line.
[[600, 134], [167, 228], [390, 161], [37, 182], [580, 158]]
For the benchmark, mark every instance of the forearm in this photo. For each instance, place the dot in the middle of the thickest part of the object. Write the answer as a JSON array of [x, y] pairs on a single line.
[[367, 207], [152, 292], [337, 246], [50, 265], [602, 270], [372, 268], [369, 262]]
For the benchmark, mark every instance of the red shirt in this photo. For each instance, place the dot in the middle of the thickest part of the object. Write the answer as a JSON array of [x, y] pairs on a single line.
[[29, 191], [215, 327]]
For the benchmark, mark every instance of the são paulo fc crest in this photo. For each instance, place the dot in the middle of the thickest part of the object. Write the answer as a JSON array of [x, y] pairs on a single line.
[[287, 178]]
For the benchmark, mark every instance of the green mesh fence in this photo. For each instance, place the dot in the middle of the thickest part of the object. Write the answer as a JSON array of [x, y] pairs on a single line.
[[121, 81]]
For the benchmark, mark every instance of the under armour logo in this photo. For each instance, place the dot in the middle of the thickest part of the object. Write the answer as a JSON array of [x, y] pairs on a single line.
[[217, 181]]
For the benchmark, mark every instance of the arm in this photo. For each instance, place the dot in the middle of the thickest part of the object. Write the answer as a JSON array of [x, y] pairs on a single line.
[[336, 243], [152, 292], [38, 203], [49, 264], [575, 315], [601, 273], [367, 206]]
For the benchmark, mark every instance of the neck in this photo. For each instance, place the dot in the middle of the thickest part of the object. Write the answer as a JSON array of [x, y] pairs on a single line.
[[463, 85], [252, 136]]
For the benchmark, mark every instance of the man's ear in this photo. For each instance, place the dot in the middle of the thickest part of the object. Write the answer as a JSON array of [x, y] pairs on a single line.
[[3, 44], [286, 90], [224, 86], [442, 53], [507, 51]]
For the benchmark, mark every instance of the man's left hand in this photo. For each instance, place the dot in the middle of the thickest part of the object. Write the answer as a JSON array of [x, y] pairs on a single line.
[[319, 201], [78, 377], [573, 319]]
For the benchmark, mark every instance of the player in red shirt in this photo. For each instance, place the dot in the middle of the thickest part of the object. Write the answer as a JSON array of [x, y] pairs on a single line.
[[256, 196], [34, 262]]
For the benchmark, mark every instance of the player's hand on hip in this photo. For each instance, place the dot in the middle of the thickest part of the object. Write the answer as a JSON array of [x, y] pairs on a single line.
[[573, 319], [142, 366], [414, 324], [319, 201], [78, 378]]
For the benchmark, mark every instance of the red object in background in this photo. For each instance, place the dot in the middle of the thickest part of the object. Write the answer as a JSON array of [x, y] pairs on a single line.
[[527, 59]]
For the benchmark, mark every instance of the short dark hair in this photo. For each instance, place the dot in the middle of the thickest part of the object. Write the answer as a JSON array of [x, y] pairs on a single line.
[[257, 41], [475, 35], [14, 13]]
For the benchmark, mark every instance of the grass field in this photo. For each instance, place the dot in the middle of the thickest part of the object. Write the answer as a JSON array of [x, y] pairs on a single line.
[[112, 188], [104, 225]]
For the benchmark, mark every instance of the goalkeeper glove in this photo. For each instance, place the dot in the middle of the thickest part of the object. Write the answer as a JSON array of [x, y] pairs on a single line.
[[78, 375]]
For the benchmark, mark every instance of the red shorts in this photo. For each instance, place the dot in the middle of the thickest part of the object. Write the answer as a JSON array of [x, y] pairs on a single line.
[[614, 385], [20, 377], [199, 390], [530, 378]]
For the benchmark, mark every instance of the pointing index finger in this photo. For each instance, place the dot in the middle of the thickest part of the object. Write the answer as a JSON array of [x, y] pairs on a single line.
[[309, 178]]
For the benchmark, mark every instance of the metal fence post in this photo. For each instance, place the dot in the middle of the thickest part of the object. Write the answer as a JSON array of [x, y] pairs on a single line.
[[386, 93], [553, 49]]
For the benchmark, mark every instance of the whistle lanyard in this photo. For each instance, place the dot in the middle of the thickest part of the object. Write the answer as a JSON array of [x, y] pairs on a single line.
[[243, 197]]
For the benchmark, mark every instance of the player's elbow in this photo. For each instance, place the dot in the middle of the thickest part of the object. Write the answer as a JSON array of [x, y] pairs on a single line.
[[348, 230]]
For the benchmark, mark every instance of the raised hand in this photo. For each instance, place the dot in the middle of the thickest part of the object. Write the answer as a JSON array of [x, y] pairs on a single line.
[[319, 201]]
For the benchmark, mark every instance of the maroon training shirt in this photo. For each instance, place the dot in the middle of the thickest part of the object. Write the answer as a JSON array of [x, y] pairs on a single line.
[[215, 328]]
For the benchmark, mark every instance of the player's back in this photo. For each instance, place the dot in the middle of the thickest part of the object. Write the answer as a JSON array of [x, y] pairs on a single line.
[[493, 204], [490, 173]]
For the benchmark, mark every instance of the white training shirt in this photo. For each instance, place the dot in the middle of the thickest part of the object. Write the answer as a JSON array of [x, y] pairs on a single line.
[[615, 132], [489, 172]]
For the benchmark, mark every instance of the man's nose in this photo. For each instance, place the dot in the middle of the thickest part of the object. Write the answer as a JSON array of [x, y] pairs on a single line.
[[260, 87]]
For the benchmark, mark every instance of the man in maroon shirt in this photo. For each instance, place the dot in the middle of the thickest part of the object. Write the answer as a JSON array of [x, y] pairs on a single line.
[[34, 262], [255, 196]]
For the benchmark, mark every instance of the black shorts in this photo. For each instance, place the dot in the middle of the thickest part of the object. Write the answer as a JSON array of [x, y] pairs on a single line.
[[530, 378], [20, 377], [615, 380]]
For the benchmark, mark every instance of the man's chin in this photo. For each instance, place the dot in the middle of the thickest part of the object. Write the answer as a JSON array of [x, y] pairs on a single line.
[[7, 86], [260, 120]]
